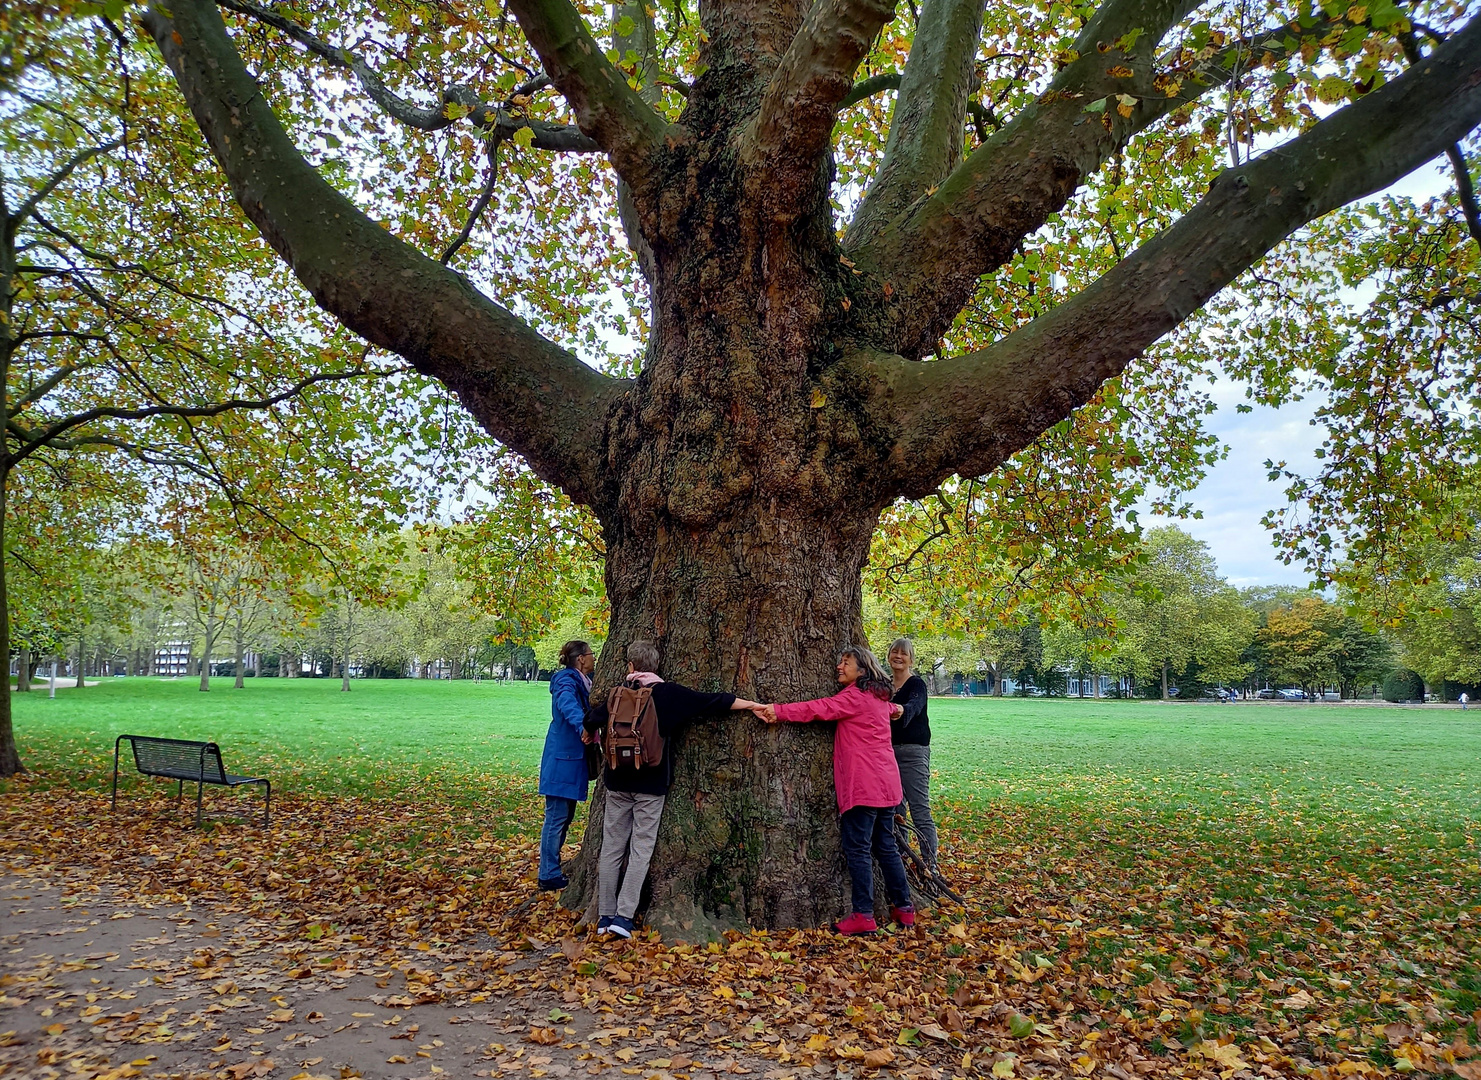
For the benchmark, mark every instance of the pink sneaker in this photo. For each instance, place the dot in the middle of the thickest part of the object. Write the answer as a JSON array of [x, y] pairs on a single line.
[[905, 916], [857, 923]]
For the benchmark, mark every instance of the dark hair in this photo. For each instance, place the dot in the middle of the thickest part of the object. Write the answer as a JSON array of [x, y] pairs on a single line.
[[873, 679], [572, 651]]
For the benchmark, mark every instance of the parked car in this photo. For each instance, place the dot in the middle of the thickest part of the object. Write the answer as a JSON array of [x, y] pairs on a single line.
[[1293, 694], [1269, 695]]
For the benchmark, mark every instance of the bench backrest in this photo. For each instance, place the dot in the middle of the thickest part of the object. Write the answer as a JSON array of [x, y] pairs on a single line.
[[179, 759]]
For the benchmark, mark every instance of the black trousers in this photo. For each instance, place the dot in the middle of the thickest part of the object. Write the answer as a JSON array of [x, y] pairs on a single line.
[[868, 833]]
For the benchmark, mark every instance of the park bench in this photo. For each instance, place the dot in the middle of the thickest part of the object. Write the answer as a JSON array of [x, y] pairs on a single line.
[[182, 760]]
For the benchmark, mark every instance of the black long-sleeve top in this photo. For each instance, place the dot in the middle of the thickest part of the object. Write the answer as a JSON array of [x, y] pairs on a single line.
[[676, 706], [914, 726]]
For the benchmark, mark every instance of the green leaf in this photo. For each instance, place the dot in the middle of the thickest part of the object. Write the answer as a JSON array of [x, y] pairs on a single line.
[[1097, 106], [525, 137]]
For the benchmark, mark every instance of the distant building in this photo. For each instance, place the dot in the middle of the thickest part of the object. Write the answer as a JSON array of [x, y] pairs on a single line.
[[173, 658]]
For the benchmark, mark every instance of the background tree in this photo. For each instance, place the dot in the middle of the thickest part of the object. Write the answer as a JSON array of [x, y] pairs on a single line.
[[1175, 612], [782, 403], [126, 353]]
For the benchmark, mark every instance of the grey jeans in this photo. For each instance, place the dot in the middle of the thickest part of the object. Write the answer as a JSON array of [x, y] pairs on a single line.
[[629, 831], [915, 780]]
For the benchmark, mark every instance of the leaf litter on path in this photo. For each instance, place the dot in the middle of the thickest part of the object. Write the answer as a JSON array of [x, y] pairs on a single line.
[[1091, 949]]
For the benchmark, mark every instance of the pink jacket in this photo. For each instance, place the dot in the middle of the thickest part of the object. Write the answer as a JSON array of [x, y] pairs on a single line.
[[864, 769]]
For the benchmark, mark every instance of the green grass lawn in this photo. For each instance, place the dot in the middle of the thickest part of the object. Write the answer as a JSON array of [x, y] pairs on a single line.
[[1387, 764], [1220, 847]]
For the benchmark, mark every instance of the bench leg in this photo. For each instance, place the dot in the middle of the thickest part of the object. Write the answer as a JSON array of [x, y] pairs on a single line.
[[115, 770], [179, 791], [267, 798], [200, 788]]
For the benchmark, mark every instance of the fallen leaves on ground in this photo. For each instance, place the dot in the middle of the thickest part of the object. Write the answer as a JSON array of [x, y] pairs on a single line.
[[1092, 946]]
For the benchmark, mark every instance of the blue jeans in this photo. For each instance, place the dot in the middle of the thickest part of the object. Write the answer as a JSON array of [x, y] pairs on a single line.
[[868, 833], [558, 816]]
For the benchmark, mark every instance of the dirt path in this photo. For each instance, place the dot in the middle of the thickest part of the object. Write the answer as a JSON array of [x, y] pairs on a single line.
[[93, 987]]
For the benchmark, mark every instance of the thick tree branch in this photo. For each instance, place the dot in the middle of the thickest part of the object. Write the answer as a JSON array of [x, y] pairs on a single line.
[[969, 414], [935, 251], [1409, 41], [529, 393], [786, 141], [46, 385], [1185, 81], [33, 439], [605, 106], [71, 165], [641, 45], [497, 120], [867, 88], [925, 140], [1465, 190], [478, 207]]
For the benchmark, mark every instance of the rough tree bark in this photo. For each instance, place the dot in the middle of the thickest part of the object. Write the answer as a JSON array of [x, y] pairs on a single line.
[[238, 647], [739, 477], [209, 645]]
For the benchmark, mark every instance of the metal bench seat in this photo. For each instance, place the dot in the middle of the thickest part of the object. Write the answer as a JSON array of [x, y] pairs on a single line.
[[185, 760]]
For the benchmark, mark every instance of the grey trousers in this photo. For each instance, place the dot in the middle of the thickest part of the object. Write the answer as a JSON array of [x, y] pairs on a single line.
[[629, 831], [915, 780]]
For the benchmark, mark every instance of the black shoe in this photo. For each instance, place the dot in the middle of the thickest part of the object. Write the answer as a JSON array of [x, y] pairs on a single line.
[[553, 884]]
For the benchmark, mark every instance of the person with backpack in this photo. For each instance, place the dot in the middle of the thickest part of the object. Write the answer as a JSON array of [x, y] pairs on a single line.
[[867, 781], [636, 723], [563, 773]]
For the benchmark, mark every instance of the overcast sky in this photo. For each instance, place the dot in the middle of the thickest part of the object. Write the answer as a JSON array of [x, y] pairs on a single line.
[[1236, 494]]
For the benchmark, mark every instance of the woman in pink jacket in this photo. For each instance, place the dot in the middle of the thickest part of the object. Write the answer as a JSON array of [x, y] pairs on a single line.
[[867, 779]]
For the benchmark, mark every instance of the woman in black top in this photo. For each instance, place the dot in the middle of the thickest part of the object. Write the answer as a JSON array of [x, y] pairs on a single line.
[[910, 732]]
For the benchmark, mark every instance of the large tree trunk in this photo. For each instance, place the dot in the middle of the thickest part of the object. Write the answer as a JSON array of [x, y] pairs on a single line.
[[345, 663], [206, 657], [237, 643], [23, 671], [1164, 680], [758, 604], [10, 758]]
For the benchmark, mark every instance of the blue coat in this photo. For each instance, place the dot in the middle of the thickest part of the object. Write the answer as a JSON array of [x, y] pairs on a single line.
[[563, 765]]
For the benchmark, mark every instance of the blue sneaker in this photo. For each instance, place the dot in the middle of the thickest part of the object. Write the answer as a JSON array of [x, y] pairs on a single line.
[[604, 924], [623, 928]]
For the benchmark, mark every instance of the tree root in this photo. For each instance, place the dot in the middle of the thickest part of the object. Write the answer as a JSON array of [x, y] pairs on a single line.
[[925, 878]]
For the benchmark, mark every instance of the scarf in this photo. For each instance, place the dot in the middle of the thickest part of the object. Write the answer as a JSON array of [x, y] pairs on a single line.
[[644, 678]]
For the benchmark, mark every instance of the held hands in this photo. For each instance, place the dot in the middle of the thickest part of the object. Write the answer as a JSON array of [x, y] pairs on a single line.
[[897, 711], [766, 713]]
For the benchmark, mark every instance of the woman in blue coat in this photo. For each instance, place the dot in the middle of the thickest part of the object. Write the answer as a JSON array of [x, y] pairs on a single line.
[[563, 779]]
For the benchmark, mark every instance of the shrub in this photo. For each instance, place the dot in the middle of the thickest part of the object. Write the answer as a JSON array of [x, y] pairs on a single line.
[[1403, 685]]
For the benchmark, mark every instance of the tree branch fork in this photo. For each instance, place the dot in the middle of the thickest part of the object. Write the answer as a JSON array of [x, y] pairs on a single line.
[[925, 259]]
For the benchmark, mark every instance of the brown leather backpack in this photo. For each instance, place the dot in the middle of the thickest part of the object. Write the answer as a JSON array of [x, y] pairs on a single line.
[[632, 739]]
